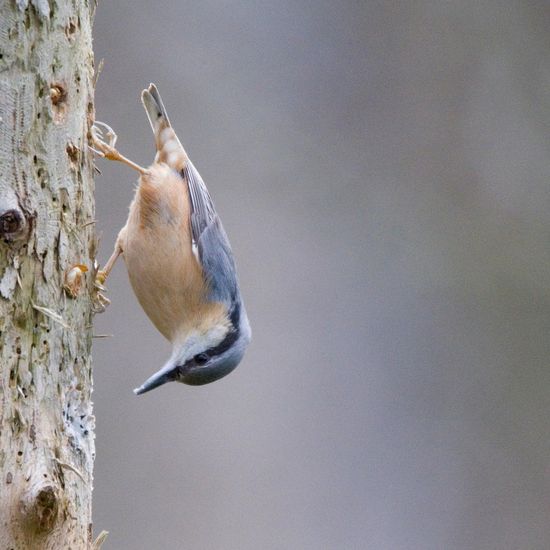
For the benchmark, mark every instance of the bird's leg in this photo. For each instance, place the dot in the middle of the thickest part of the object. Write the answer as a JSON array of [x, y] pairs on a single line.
[[102, 274], [101, 301], [106, 149]]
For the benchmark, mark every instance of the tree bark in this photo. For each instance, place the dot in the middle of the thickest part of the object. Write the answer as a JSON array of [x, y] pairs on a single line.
[[46, 227]]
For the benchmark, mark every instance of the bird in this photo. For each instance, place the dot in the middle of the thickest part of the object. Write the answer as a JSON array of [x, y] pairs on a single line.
[[179, 260]]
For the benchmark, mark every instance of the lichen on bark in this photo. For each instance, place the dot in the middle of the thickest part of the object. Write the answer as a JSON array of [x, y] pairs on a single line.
[[46, 227]]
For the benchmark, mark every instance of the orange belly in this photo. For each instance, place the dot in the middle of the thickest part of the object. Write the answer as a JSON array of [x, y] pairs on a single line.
[[164, 273]]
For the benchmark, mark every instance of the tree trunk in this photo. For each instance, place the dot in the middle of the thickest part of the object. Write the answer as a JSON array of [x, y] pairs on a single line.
[[46, 227]]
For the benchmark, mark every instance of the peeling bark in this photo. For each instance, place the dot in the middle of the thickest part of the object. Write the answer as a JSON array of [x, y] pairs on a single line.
[[46, 228]]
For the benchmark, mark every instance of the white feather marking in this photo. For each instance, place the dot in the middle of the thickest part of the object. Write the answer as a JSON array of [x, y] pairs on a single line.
[[196, 342], [195, 250], [167, 134], [171, 146], [173, 158]]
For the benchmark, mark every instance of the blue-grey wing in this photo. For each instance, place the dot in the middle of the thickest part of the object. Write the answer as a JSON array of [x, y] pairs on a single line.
[[210, 241]]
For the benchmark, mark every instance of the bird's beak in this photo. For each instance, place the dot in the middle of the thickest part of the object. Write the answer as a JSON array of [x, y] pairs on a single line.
[[168, 373]]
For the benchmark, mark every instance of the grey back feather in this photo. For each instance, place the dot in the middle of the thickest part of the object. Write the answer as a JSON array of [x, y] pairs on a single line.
[[209, 237]]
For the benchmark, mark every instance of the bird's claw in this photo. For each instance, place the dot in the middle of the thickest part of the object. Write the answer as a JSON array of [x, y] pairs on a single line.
[[100, 301], [110, 134], [104, 140]]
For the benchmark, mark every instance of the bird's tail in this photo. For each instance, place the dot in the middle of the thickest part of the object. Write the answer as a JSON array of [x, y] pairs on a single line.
[[169, 148]]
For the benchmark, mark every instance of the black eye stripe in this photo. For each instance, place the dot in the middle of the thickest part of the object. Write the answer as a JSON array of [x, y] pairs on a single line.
[[231, 337]]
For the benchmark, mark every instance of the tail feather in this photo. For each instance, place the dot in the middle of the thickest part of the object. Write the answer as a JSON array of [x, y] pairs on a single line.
[[154, 107], [169, 148], [153, 90]]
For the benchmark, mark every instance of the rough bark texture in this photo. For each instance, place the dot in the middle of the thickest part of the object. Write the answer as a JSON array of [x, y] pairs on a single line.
[[46, 226]]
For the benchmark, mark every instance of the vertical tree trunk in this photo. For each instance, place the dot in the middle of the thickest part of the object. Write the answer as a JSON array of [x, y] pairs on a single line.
[[46, 226]]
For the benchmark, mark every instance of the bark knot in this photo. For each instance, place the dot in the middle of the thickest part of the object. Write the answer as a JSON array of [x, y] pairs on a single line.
[[58, 97], [39, 509], [12, 224]]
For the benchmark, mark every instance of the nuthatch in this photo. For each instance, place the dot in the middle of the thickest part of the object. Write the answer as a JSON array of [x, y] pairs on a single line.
[[179, 259]]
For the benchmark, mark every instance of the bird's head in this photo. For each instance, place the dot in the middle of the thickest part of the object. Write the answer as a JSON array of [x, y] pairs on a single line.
[[204, 356]]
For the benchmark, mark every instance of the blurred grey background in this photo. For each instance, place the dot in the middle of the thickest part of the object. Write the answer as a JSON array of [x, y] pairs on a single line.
[[382, 170]]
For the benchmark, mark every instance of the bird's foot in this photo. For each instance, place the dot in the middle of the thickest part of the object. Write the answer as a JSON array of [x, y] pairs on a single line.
[[100, 302], [104, 140]]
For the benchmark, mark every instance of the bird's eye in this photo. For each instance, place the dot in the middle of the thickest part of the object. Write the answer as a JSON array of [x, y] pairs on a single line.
[[201, 358]]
